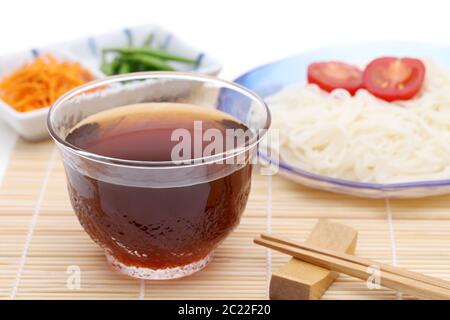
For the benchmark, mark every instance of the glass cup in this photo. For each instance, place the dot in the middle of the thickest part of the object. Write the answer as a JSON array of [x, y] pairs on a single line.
[[159, 219]]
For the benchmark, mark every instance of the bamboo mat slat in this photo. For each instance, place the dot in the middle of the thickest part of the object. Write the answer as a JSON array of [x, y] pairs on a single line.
[[40, 238]]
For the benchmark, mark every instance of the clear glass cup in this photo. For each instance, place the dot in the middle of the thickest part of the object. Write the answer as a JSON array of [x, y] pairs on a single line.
[[158, 219]]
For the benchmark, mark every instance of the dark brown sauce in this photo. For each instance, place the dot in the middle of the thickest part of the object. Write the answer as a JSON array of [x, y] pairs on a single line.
[[154, 227]]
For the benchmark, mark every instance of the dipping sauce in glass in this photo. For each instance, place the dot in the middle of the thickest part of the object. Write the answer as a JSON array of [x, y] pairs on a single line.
[[154, 228]]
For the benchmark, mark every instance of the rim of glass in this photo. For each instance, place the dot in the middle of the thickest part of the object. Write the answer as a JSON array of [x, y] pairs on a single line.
[[159, 75]]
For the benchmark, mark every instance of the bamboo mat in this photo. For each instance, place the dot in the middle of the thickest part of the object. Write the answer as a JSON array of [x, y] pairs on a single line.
[[41, 241]]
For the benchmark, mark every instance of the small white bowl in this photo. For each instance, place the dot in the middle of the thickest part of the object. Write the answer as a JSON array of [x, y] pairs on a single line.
[[32, 125], [89, 49], [29, 125]]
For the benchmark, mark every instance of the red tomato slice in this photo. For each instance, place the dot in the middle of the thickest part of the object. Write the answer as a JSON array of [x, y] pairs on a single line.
[[391, 78], [332, 75]]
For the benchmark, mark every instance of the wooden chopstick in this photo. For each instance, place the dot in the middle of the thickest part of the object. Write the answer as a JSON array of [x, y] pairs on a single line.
[[362, 261], [399, 281]]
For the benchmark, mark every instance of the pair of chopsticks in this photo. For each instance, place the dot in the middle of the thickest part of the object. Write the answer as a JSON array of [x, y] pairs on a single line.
[[417, 284]]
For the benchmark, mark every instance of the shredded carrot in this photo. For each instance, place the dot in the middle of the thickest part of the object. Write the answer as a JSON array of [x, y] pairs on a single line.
[[38, 84]]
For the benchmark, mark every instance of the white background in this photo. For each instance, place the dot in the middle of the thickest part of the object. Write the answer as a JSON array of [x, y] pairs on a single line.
[[241, 34]]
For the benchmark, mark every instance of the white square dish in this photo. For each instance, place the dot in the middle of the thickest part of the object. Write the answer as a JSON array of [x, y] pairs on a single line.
[[31, 125], [88, 51]]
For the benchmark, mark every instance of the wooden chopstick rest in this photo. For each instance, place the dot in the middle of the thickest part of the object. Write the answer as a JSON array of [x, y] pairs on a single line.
[[300, 280], [399, 279]]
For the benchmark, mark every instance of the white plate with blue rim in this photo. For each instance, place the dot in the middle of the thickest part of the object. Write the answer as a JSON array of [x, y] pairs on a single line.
[[88, 51], [268, 79]]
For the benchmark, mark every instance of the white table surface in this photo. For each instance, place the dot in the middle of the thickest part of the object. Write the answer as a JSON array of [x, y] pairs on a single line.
[[241, 34]]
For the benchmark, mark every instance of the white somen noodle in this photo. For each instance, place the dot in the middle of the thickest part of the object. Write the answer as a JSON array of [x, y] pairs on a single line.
[[363, 138]]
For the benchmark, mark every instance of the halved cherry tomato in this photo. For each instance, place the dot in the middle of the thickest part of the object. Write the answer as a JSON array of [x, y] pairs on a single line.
[[391, 78], [332, 75]]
